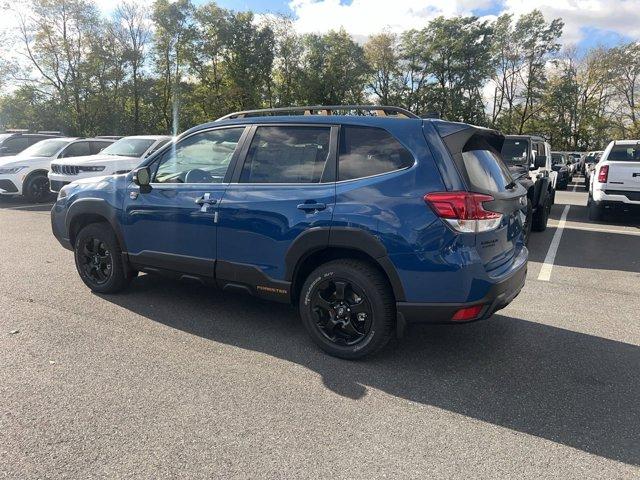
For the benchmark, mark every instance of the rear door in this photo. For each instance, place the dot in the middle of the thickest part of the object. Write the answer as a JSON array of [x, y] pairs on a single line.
[[284, 187], [477, 152], [624, 168]]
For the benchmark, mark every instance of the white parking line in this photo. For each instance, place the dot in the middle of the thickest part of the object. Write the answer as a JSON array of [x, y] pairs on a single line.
[[23, 207], [547, 266]]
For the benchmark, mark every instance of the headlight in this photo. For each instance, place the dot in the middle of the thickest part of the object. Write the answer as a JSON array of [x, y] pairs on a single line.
[[91, 169], [10, 170], [64, 191]]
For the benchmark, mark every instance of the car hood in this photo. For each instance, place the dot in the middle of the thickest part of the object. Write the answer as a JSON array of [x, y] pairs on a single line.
[[14, 161], [97, 160]]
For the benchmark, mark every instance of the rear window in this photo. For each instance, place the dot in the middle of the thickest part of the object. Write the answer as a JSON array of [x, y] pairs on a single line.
[[625, 153], [485, 169], [366, 151], [515, 151]]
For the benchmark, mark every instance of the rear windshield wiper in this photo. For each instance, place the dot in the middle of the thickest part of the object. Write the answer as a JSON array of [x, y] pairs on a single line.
[[512, 183]]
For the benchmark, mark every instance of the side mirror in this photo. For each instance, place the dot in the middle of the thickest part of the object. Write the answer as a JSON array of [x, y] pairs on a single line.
[[540, 161], [142, 178]]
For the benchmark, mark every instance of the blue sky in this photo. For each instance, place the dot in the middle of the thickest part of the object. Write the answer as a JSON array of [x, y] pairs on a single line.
[[588, 22]]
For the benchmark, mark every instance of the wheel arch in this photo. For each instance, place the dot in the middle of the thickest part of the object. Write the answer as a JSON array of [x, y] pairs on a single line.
[[320, 245], [92, 210], [30, 175]]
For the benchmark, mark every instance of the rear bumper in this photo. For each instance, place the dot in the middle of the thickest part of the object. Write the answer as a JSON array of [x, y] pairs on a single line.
[[499, 295], [610, 196]]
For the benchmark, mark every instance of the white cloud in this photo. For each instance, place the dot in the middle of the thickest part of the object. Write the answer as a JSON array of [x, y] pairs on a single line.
[[362, 18]]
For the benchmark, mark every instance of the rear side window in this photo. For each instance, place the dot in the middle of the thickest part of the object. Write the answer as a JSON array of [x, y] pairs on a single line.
[[366, 151], [625, 153], [484, 166], [286, 155]]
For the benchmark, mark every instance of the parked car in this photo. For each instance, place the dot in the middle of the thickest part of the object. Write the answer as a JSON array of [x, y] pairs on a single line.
[[14, 142], [590, 162], [365, 222], [615, 181], [529, 160], [562, 165], [120, 157], [26, 173]]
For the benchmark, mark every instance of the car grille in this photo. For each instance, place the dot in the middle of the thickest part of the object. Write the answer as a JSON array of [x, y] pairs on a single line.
[[65, 169], [630, 194]]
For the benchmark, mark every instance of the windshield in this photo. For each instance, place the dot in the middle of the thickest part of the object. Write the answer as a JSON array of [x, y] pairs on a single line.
[[514, 151], [45, 148], [557, 158], [625, 153], [129, 147]]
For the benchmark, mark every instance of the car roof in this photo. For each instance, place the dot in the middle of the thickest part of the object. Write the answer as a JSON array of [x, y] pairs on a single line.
[[145, 137]]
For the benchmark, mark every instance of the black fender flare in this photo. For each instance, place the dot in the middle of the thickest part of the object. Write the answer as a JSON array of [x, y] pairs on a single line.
[[541, 191], [98, 207], [320, 238]]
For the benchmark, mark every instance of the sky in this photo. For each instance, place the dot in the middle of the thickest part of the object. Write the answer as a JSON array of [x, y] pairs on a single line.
[[587, 22]]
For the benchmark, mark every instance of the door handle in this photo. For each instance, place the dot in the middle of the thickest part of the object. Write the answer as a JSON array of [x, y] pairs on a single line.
[[312, 207], [206, 199]]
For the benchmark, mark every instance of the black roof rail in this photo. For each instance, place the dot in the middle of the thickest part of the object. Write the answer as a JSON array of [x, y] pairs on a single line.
[[377, 110]]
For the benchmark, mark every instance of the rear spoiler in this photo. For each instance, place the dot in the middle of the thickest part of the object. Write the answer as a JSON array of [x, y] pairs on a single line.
[[456, 136]]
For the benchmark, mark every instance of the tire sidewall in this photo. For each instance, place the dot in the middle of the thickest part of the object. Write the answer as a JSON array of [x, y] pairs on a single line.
[[104, 234], [27, 189], [374, 337]]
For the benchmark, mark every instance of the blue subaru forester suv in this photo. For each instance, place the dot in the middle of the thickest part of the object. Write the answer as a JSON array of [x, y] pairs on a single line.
[[366, 218]]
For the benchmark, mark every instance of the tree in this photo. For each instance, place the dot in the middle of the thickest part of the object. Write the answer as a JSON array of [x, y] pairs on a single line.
[[382, 54], [625, 69]]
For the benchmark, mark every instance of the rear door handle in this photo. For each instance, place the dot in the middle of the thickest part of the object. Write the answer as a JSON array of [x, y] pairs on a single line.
[[312, 207]]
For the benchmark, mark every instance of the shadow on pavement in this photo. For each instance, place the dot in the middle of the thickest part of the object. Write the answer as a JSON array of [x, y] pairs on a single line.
[[575, 389], [20, 203]]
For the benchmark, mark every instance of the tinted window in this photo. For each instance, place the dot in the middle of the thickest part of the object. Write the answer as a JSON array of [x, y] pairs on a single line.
[[97, 146], [484, 166], [625, 153], [558, 158], [368, 151], [16, 145], [77, 149], [286, 155], [515, 150], [200, 158], [158, 146]]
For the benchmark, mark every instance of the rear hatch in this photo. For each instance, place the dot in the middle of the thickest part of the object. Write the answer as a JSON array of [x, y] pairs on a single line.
[[476, 152], [624, 168]]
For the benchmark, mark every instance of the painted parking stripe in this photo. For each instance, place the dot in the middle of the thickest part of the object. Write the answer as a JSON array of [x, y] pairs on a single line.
[[26, 207], [547, 266]]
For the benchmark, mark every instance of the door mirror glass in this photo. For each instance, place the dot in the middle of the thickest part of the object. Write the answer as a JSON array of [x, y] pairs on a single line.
[[540, 161], [142, 178]]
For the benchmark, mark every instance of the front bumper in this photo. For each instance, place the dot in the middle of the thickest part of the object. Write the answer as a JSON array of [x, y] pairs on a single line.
[[58, 224], [10, 185], [500, 294]]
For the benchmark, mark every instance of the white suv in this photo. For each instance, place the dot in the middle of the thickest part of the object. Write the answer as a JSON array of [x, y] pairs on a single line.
[[120, 157], [615, 181], [26, 173]]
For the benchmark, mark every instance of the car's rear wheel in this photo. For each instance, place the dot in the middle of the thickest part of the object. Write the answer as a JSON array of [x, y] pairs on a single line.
[[36, 189], [595, 211], [99, 259], [348, 308]]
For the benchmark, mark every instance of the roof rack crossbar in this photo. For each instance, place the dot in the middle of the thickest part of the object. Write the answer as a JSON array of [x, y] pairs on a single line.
[[379, 110]]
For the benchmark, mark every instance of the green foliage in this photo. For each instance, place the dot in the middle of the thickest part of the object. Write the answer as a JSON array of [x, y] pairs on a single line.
[[165, 68]]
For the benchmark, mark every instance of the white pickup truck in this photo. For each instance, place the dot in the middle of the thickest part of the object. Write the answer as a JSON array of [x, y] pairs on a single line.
[[615, 181]]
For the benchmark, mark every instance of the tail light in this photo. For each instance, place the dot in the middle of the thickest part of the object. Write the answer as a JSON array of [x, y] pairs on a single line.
[[603, 174], [464, 211]]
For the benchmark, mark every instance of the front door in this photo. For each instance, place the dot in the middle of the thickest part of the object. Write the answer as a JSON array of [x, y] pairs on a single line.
[[173, 226], [284, 188]]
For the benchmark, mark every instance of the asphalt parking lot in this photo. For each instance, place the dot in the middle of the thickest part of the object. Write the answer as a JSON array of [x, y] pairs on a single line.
[[177, 380]]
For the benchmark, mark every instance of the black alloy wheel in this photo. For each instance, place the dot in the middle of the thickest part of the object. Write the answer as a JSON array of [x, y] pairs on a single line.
[[37, 189], [96, 260], [342, 312]]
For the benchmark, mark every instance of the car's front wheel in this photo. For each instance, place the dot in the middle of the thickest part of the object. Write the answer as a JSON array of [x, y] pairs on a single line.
[[36, 189], [541, 216], [348, 308], [99, 259]]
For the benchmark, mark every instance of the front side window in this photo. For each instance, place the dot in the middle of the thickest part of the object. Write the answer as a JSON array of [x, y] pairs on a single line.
[[17, 144], [77, 149], [286, 155], [200, 158], [366, 151]]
